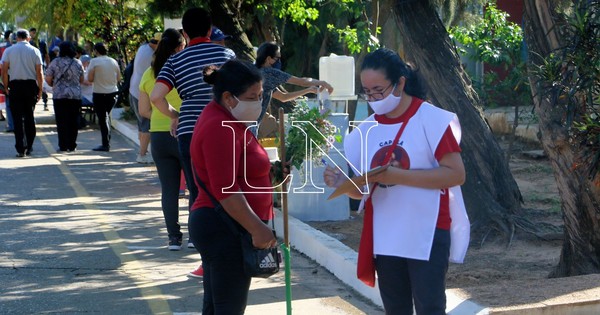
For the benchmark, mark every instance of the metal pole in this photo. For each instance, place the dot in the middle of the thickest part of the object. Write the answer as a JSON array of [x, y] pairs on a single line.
[[284, 208]]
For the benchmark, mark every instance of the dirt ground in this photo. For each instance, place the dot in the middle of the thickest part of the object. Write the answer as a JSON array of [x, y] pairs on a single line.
[[528, 257]]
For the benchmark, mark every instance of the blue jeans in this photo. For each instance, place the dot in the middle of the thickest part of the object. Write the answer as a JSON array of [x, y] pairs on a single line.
[[9, 118], [402, 280], [186, 159]]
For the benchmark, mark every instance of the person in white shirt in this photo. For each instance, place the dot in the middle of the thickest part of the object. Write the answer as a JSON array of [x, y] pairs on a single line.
[[104, 72], [415, 220], [142, 61], [22, 77]]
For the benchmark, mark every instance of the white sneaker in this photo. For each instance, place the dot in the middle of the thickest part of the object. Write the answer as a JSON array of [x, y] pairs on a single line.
[[144, 159]]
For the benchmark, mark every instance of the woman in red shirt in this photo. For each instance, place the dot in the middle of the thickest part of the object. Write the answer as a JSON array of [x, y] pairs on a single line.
[[234, 168]]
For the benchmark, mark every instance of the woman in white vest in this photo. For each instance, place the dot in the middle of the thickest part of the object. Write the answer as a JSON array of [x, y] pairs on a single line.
[[413, 208]]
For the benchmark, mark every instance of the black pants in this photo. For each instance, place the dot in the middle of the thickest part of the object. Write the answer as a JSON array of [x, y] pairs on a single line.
[[103, 104], [22, 99], [402, 280], [186, 158], [165, 154], [66, 112], [226, 285]]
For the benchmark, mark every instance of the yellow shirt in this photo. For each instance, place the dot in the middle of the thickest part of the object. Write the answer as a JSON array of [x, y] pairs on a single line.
[[158, 121]]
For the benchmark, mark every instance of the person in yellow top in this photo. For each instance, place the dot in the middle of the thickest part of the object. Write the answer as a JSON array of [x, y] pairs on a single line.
[[164, 149]]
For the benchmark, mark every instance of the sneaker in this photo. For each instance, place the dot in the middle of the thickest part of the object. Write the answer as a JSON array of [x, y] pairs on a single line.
[[174, 243], [198, 273], [144, 159], [190, 244]]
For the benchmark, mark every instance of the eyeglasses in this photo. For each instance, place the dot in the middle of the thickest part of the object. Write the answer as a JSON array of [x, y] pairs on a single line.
[[377, 96]]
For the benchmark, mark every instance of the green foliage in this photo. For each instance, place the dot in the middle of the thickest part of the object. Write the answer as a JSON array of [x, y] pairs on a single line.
[[497, 42], [122, 24], [312, 136], [571, 76]]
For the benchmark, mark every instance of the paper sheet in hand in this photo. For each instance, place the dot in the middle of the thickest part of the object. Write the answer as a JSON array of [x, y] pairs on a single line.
[[350, 184]]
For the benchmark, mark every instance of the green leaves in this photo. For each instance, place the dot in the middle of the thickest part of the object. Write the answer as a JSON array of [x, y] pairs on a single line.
[[310, 135]]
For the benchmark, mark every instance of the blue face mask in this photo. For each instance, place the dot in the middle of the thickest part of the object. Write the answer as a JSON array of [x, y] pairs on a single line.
[[277, 64]]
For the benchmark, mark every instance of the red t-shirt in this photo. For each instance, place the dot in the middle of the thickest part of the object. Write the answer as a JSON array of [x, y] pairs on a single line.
[[448, 144], [218, 153]]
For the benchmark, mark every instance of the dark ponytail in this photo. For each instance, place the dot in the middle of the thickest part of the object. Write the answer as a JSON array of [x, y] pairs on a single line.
[[390, 63], [234, 76], [169, 41]]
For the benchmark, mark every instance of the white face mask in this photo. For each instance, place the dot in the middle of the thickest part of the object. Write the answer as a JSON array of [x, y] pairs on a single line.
[[247, 110], [386, 105]]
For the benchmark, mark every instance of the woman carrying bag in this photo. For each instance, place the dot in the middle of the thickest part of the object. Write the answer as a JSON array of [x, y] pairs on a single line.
[[234, 168]]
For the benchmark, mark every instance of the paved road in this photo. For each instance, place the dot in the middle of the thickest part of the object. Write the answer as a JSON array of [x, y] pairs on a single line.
[[84, 233]]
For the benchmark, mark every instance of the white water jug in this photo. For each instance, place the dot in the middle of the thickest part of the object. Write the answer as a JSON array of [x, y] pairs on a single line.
[[339, 72]]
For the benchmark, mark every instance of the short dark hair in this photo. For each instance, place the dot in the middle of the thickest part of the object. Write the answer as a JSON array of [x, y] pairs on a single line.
[[234, 76], [100, 48], [7, 34], [67, 49], [390, 63], [22, 34], [196, 22], [266, 49], [33, 29]]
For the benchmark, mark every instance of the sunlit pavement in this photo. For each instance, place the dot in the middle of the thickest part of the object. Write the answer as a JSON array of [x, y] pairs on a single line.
[[84, 232]]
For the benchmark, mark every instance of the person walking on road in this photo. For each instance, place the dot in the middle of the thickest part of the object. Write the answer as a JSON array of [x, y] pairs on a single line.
[[65, 75], [22, 74], [105, 75]]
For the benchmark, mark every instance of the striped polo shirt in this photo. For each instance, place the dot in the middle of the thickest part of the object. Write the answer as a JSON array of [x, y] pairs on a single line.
[[183, 71]]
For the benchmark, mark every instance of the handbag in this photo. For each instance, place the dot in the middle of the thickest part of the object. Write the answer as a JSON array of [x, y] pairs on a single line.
[[257, 262]]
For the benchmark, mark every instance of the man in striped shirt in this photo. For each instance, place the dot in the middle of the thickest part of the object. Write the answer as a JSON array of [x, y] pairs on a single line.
[[183, 71]]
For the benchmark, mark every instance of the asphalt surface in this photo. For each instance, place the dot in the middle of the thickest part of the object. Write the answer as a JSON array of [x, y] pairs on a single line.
[[83, 232]]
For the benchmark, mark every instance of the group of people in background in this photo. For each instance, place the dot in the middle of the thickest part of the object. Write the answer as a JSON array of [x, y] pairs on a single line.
[[192, 99], [28, 66]]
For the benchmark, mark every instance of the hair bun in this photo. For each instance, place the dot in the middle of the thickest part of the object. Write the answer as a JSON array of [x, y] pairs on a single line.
[[210, 74]]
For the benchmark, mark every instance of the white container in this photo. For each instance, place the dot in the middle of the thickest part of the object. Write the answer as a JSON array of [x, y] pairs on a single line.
[[339, 72], [310, 205]]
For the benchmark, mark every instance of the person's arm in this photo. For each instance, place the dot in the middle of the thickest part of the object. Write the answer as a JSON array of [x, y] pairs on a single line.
[[49, 79], [39, 79], [288, 96], [450, 173], [90, 74], [119, 77], [5, 66], [144, 106], [239, 209], [307, 82], [158, 98]]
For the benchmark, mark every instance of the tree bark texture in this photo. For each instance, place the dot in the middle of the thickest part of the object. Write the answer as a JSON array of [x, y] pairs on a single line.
[[579, 196], [226, 17], [492, 196]]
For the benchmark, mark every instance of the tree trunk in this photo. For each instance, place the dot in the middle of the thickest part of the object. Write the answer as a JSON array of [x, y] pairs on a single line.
[[580, 197], [227, 18], [492, 196]]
